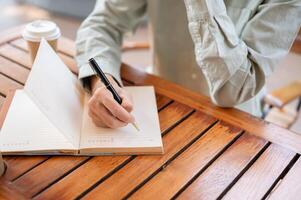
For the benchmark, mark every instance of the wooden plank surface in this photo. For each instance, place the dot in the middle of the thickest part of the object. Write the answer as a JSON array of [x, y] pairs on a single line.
[[289, 187], [7, 84], [13, 70], [59, 166], [143, 166], [44, 174], [220, 174], [162, 101], [18, 165], [181, 170], [2, 99], [8, 191], [16, 55], [265, 171]]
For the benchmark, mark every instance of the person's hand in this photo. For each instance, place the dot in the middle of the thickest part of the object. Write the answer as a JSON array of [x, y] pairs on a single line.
[[104, 110]]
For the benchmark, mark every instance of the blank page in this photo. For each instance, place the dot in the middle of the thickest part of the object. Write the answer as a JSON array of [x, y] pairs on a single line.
[[57, 92], [27, 129], [121, 139]]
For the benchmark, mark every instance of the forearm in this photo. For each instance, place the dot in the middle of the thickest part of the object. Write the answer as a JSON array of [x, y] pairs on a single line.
[[100, 35], [96, 38], [235, 68]]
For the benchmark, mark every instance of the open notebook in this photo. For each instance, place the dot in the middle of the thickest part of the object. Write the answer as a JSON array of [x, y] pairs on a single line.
[[49, 116]]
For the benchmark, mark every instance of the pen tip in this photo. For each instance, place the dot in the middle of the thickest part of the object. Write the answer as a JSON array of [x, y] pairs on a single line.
[[136, 126]]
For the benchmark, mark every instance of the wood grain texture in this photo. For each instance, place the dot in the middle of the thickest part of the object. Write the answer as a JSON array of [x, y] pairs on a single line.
[[2, 99], [251, 124], [289, 187], [143, 167], [13, 70], [212, 182], [39, 177], [85, 176], [181, 170], [264, 171], [162, 101], [15, 54], [18, 165], [7, 84], [8, 191], [103, 165], [61, 165], [5, 107]]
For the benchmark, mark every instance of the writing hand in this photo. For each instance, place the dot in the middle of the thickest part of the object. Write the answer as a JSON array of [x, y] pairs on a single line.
[[104, 110]]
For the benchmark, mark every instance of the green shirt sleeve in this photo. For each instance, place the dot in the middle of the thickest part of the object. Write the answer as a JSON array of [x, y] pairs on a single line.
[[100, 35], [236, 66]]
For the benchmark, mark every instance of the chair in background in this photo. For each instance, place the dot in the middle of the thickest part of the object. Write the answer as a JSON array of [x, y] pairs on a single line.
[[276, 103]]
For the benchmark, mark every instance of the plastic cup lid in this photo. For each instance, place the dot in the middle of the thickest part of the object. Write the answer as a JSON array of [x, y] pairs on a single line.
[[39, 29]]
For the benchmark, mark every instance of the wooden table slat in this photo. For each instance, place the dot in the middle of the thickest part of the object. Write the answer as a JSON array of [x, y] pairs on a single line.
[[2, 99], [265, 171], [137, 170], [180, 171], [15, 54], [13, 70], [7, 190], [18, 165], [289, 187], [162, 101], [43, 175], [59, 166], [7, 84], [220, 174]]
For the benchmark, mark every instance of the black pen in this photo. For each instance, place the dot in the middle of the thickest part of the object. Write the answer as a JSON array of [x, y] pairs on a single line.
[[107, 83]]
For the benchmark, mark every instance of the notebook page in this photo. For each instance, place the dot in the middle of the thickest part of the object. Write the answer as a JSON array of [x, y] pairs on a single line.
[[145, 112], [57, 92], [27, 129]]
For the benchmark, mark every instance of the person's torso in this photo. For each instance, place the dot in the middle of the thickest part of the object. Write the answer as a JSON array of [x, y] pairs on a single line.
[[173, 49]]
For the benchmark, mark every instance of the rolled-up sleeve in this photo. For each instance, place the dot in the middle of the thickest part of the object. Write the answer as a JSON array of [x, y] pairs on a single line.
[[100, 35], [236, 66]]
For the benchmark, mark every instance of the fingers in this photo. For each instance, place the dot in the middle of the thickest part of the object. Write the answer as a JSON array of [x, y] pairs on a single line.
[[102, 117], [106, 112], [126, 101], [117, 110]]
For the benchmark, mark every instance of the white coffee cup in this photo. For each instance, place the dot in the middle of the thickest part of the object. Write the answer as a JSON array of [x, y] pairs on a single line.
[[36, 30]]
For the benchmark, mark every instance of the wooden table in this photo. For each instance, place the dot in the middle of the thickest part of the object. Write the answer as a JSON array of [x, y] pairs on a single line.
[[210, 152]]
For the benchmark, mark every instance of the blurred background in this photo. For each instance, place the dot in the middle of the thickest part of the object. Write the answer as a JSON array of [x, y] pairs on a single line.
[[68, 14]]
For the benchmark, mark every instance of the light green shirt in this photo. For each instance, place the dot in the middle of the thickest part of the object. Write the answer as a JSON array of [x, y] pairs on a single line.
[[224, 49]]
